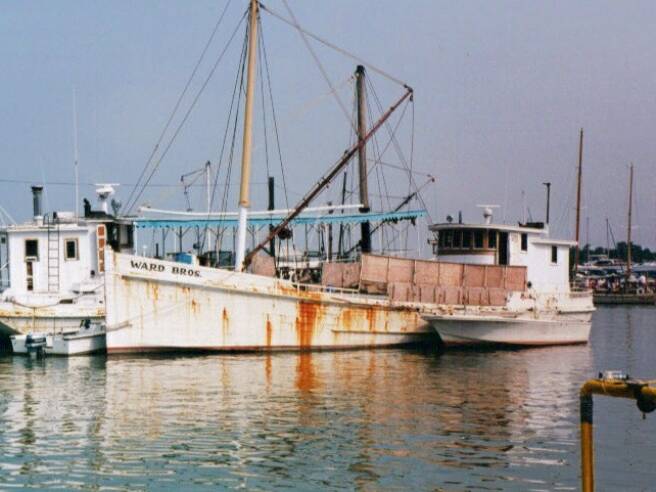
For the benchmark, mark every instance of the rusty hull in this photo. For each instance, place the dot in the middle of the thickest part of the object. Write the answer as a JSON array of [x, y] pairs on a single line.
[[221, 310]]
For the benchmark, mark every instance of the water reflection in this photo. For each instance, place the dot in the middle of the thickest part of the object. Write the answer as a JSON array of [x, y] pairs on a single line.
[[371, 420]]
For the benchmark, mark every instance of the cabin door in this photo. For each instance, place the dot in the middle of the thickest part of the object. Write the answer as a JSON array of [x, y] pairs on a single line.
[[29, 275], [503, 248]]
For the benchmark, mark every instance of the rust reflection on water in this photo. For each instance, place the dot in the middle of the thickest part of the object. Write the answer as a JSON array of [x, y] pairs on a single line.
[[371, 420]]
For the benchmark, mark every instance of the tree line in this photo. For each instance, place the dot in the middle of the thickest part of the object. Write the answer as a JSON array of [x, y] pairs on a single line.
[[638, 253]]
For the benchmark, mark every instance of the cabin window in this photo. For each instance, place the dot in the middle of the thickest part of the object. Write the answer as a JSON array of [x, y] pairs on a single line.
[[554, 254], [491, 239], [71, 250], [448, 239], [524, 241], [457, 239], [466, 239], [32, 249], [478, 239]]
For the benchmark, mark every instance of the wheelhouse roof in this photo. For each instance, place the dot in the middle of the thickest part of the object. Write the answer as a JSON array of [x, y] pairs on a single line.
[[498, 227]]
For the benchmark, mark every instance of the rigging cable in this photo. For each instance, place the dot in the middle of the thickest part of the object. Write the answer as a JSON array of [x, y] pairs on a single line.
[[237, 92], [318, 62], [273, 114], [179, 101], [333, 46], [400, 152], [186, 116], [264, 61]]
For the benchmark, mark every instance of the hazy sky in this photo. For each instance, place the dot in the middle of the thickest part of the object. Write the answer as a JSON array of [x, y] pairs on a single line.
[[501, 90]]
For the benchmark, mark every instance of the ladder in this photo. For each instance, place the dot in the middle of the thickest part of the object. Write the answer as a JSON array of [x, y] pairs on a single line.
[[53, 255]]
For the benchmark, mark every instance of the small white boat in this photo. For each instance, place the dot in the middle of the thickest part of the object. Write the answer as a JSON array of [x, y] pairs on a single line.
[[539, 308], [88, 339], [522, 329]]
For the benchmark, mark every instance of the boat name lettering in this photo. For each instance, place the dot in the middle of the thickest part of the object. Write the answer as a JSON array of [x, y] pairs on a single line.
[[154, 267], [185, 271]]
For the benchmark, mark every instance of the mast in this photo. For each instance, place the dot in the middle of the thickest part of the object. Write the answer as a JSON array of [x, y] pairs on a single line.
[[244, 198], [365, 228], [628, 229], [578, 202]]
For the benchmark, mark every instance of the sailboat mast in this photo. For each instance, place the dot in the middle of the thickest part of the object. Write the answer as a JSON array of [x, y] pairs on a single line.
[[365, 228], [578, 202], [244, 198], [628, 229]]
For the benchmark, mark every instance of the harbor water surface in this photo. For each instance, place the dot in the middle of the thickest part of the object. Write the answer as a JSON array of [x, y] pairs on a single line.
[[369, 420]]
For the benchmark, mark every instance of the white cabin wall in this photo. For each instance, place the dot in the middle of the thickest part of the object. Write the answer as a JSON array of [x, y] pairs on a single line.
[[71, 271], [17, 264], [472, 259], [516, 256], [544, 275]]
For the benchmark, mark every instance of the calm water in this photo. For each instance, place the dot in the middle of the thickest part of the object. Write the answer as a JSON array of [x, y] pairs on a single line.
[[384, 420]]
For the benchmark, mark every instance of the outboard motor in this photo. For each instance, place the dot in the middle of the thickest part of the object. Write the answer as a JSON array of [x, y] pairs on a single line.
[[35, 345]]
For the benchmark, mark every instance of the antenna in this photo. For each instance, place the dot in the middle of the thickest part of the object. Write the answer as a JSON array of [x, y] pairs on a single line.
[[75, 155]]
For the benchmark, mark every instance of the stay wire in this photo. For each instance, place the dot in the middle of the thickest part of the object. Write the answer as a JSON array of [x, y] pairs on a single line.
[[186, 116], [392, 133], [332, 46], [180, 98], [317, 61], [237, 92], [274, 116]]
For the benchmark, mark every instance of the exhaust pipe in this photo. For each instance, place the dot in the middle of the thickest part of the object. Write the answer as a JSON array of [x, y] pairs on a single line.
[[37, 191]]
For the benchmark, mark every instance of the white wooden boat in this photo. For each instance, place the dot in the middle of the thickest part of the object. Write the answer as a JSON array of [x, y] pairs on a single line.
[[55, 267], [544, 310]]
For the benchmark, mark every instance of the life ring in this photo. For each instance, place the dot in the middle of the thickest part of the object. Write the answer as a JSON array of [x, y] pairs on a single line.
[[640, 290]]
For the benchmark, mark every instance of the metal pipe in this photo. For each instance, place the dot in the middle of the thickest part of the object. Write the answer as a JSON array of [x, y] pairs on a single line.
[[244, 198], [272, 206], [37, 210], [548, 185], [340, 244], [634, 389]]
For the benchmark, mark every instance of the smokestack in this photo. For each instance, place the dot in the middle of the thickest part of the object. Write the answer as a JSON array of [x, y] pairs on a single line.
[[37, 191]]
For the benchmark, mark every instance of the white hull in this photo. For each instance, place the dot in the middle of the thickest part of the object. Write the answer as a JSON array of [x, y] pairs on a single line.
[[519, 329], [158, 305], [80, 342]]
